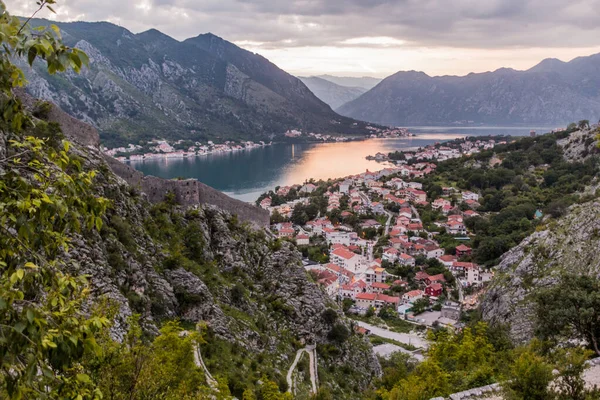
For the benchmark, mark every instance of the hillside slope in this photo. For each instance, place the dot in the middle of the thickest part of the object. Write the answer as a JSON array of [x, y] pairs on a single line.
[[552, 92], [194, 263], [147, 85], [567, 244]]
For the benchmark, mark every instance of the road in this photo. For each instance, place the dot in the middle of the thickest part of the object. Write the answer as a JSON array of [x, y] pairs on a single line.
[[312, 357], [212, 382], [405, 338], [387, 223]]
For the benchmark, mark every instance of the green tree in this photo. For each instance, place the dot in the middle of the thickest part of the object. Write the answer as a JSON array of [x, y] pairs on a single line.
[[45, 197], [529, 377], [571, 308], [571, 364]]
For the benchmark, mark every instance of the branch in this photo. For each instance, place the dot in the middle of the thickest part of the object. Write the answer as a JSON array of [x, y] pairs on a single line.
[[42, 4]]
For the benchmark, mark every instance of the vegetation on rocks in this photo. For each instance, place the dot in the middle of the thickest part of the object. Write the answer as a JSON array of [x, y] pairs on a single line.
[[101, 291]]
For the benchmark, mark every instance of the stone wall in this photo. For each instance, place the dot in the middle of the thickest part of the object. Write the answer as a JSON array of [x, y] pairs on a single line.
[[187, 192]]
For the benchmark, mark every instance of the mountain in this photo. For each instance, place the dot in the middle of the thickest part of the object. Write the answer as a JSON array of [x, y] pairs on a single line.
[[333, 94], [166, 252], [552, 92], [365, 82], [147, 85]]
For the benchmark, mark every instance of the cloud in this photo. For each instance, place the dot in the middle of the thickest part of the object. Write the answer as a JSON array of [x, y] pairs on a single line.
[[280, 26]]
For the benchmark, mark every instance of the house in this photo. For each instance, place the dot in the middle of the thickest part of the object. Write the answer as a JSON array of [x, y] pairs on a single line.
[[462, 250], [459, 266], [302, 240], [456, 228], [390, 254], [405, 259], [376, 300], [433, 251], [377, 208], [347, 259], [412, 296], [308, 188], [370, 223], [376, 274], [476, 276], [439, 203], [416, 195], [447, 260], [415, 227], [329, 281], [406, 213], [352, 289], [435, 279], [471, 213], [434, 290], [421, 276], [469, 196], [472, 203], [265, 203], [343, 274], [378, 287], [286, 232]]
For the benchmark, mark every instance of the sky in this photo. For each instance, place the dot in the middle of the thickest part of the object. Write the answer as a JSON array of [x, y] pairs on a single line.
[[364, 37]]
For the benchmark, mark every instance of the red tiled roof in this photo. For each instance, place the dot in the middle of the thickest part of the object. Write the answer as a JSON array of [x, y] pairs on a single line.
[[344, 253], [379, 285]]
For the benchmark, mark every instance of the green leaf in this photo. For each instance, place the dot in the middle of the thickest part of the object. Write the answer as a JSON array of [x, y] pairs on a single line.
[[30, 315], [31, 55], [20, 326], [98, 223], [20, 273], [84, 378]]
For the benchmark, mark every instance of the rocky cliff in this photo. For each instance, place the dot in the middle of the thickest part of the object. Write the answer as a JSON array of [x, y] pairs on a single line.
[[147, 85], [549, 93], [567, 244], [196, 262]]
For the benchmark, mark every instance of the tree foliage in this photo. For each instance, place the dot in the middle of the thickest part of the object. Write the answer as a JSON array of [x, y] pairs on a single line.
[[571, 308], [45, 198]]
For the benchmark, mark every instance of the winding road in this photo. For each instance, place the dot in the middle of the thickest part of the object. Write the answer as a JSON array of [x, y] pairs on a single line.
[[314, 376]]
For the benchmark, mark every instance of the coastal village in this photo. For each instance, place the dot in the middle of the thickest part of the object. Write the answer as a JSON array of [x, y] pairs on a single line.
[[160, 149], [371, 249]]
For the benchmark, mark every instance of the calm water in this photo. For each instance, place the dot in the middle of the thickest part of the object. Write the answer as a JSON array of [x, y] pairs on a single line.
[[247, 174]]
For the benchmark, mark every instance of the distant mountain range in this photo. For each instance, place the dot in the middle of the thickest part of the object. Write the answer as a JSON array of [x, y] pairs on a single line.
[[333, 94], [147, 85], [365, 82], [552, 92]]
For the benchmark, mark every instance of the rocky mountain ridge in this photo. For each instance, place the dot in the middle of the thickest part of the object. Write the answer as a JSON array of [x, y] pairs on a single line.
[[149, 85], [552, 92]]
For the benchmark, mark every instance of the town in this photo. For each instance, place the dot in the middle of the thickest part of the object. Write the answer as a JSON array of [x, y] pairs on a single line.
[[383, 247], [158, 149]]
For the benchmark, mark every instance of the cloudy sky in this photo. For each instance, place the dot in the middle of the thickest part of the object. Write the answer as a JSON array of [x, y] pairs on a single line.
[[365, 37]]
